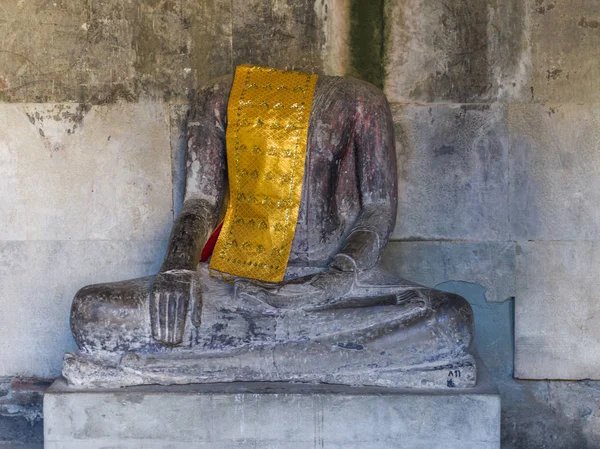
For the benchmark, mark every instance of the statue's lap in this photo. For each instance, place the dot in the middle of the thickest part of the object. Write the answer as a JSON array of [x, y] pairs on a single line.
[[115, 317]]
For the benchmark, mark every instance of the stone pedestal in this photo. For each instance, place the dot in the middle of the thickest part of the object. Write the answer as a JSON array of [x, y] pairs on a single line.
[[273, 416]]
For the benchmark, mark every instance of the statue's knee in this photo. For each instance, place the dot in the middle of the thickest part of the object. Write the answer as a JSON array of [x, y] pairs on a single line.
[[116, 310], [91, 311], [84, 313], [455, 315], [458, 307]]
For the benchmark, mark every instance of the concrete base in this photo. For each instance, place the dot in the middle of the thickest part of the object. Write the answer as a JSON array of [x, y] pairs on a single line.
[[273, 416]]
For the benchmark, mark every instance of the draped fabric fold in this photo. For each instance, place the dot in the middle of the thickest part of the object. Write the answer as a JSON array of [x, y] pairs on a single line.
[[267, 129]]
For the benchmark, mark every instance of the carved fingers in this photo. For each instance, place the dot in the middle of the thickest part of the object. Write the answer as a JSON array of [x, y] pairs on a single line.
[[169, 304], [168, 312]]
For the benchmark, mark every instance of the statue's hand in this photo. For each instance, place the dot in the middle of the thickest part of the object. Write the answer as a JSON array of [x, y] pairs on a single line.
[[319, 291], [169, 303]]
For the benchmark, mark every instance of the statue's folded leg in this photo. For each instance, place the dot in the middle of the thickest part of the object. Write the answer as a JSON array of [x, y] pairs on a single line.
[[417, 339]]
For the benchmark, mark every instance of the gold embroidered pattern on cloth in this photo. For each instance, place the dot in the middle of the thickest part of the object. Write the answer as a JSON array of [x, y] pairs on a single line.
[[267, 115]]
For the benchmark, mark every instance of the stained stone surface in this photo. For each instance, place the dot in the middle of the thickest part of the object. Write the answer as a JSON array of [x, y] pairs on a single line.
[[278, 416], [457, 50], [209, 45], [452, 172], [334, 15], [291, 34], [21, 423], [69, 172], [565, 49], [19, 445], [554, 171], [100, 52], [490, 265], [103, 51], [556, 332]]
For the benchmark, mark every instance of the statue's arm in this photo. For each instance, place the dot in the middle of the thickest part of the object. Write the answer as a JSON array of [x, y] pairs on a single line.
[[171, 293], [377, 179], [205, 177]]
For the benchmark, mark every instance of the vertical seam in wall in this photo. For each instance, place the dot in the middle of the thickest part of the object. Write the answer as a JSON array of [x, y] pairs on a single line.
[[511, 237], [508, 177]]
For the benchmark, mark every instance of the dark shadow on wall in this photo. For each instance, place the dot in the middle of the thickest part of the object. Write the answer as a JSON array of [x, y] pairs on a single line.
[[367, 39]]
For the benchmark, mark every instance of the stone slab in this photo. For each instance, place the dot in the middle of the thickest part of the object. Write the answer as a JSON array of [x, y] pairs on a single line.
[[452, 169], [556, 310], [488, 264], [71, 172], [273, 416], [554, 171]]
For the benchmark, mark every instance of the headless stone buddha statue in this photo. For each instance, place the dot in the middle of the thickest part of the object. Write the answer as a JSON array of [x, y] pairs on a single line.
[[333, 315]]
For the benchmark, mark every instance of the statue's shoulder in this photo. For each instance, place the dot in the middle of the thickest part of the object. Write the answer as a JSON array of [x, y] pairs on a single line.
[[341, 87], [362, 92], [349, 82]]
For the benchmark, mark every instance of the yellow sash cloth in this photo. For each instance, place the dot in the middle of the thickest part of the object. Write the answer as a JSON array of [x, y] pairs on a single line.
[[267, 130]]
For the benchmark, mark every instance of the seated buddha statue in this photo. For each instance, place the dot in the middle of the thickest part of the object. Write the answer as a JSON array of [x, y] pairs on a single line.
[[289, 286]]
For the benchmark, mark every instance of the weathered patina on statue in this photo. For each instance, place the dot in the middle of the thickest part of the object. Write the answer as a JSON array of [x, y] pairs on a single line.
[[337, 317]]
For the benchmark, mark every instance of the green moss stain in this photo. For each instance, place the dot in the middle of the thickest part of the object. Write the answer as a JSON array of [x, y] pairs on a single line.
[[367, 40]]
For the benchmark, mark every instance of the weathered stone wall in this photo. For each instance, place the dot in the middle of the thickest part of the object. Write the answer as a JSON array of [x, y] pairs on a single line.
[[91, 135], [497, 132], [495, 105], [93, 100]]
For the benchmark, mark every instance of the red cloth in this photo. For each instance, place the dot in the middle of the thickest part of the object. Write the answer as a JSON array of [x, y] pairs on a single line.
[[209, 247]]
